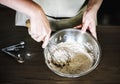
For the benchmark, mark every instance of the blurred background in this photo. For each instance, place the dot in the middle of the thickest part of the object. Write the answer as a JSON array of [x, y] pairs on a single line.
[[108, 14]]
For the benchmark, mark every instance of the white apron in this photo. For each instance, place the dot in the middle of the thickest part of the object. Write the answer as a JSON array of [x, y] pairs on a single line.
[[53, 8]]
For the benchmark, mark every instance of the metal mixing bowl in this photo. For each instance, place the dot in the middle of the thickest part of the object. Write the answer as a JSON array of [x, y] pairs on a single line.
[[87, 41]]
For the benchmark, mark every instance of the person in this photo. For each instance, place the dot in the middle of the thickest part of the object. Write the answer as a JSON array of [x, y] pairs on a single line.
[[46, 15]]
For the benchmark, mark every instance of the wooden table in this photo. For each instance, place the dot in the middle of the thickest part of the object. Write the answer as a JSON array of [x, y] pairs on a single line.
[[34, 69]]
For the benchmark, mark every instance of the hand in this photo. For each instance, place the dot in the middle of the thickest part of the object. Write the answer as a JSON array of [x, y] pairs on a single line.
[[89, 22], [90, 17], [40, 29]]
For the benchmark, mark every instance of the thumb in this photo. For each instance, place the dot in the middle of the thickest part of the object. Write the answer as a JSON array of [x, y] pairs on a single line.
[[85, 26], [45, 41]]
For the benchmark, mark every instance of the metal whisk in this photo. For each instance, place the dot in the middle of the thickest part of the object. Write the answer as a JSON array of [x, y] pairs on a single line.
[[60, 55]]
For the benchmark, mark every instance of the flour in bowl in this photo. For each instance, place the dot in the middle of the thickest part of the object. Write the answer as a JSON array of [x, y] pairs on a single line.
[[79, 61]]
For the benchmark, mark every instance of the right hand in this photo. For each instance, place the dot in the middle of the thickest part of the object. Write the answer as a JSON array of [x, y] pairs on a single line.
[[40, 28]]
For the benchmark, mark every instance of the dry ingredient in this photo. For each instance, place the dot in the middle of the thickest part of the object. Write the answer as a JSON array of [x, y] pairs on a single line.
[[80, 59]]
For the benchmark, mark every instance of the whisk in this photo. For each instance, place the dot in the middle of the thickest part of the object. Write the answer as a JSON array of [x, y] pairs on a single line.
[[60, 55]]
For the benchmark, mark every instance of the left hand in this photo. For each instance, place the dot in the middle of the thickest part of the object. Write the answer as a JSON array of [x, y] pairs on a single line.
[[89, 22]]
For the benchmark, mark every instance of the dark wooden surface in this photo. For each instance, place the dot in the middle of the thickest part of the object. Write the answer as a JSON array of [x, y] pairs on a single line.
[[34, 69]]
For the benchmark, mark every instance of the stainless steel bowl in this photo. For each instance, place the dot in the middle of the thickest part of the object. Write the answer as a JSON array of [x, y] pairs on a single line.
[[86, 41]]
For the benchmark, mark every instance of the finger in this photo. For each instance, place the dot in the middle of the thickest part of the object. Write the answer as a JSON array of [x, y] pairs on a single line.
[[29, 31], [40, 38], [85, 26], [37, 38], [94, 34], [79, 26], [93, 30], [46, 40]]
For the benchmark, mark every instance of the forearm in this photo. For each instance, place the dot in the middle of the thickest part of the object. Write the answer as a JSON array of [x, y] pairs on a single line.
[[27, 7], [94, 5]]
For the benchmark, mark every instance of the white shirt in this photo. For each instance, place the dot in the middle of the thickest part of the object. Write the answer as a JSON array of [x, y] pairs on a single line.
[[55, 8]]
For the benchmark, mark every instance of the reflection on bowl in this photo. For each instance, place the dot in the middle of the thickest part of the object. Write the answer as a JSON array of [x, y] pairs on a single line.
[[84, 53]]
